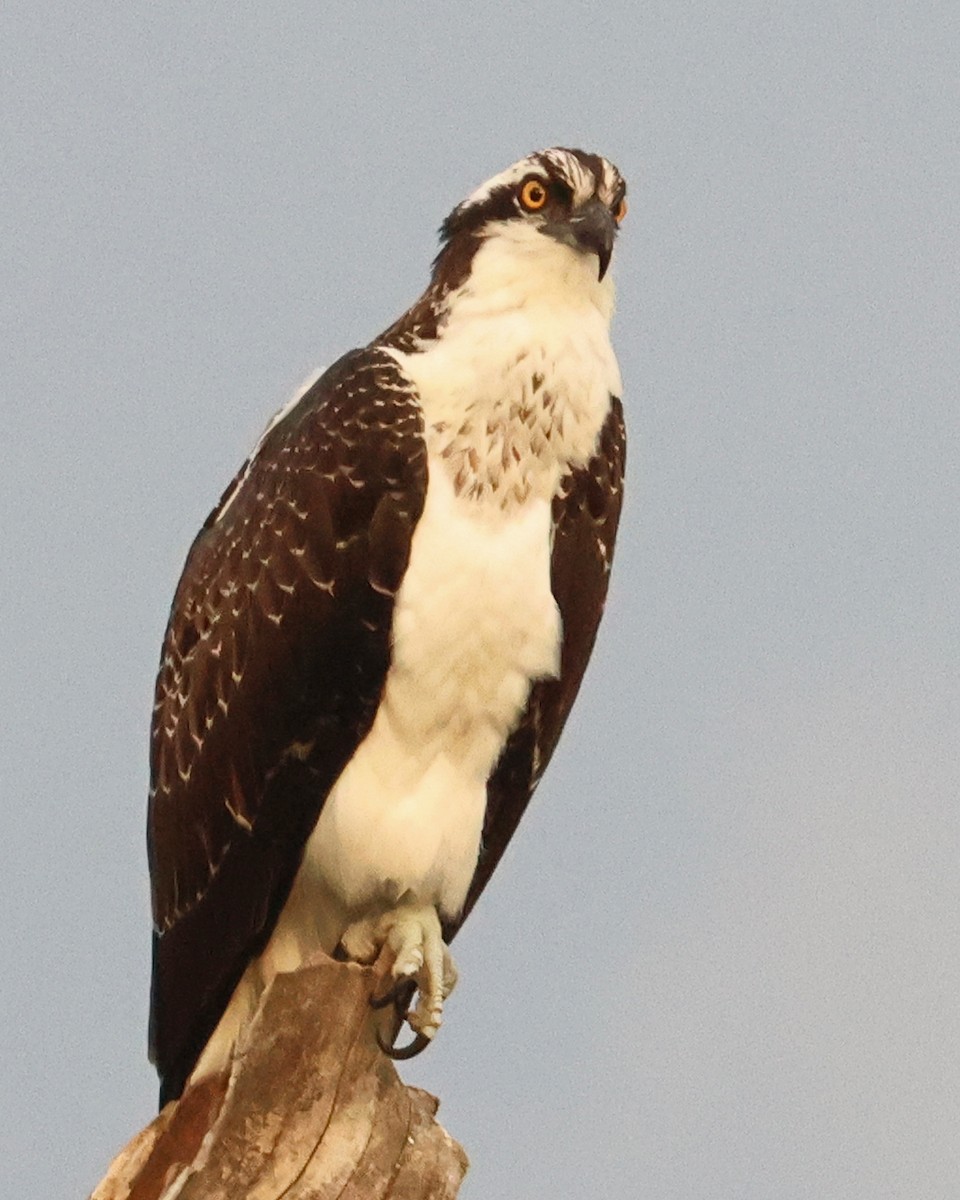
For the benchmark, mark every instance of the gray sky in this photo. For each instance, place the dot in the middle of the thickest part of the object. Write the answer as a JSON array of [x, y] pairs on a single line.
[[721, 957]]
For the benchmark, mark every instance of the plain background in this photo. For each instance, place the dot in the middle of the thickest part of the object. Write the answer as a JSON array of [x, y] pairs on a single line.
[[720, 959]]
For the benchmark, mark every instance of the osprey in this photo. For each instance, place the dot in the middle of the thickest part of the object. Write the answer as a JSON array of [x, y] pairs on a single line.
[[380, 630]]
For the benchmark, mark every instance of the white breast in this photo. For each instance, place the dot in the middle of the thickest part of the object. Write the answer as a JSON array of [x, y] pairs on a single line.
[[475, 623]]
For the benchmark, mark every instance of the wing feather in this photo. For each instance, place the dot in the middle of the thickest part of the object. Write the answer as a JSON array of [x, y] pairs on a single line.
[[271, 670]]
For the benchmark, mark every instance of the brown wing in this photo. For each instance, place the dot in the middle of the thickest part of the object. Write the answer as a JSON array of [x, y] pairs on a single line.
[[585, 514], [272, 667]]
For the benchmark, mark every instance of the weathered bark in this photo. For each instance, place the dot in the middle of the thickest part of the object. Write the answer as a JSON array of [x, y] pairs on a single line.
[[312, 1109]]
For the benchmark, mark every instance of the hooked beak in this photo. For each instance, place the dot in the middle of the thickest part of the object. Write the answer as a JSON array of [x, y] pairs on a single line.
[[590, 229]]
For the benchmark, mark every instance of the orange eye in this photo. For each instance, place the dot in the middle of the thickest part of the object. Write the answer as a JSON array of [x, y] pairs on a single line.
[[621, 211], [533, 195]]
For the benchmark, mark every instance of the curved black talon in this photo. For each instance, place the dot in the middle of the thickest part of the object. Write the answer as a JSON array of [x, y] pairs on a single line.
[[398, 1053]]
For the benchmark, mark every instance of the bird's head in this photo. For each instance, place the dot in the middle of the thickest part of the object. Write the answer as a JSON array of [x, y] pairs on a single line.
[[553, 215]]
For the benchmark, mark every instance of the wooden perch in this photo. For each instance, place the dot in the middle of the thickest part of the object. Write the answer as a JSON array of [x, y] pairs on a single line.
[[311, 1109]]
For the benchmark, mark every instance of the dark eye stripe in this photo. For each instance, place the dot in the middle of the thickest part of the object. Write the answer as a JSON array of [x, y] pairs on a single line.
[[561, 191], [503, 201]]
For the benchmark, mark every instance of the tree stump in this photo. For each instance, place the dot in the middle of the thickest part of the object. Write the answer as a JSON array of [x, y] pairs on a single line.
[[311, 1110]]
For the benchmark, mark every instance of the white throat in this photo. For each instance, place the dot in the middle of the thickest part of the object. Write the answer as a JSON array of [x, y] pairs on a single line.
[[516, 386]]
